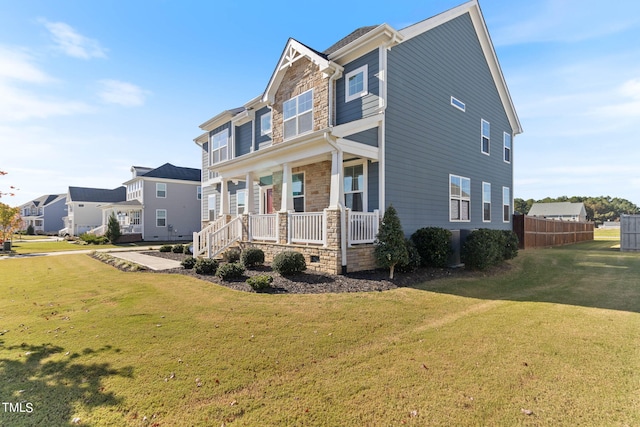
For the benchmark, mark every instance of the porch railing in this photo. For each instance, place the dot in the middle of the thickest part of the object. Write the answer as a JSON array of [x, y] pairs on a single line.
[[263, 227], [307, 227], [200, 238], [224, 237], [363, 227], [98, 231]]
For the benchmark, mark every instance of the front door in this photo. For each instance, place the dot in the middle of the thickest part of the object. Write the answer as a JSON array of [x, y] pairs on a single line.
[[267, 200]]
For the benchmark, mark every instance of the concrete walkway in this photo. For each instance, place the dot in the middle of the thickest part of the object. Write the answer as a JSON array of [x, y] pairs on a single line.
[[149, 261]]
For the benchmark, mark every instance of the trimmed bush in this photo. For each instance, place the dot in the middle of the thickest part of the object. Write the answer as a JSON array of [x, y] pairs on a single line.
[[30, 230], [188, 263], [113, 229], [483, 248], [166, 248], [434, 246], [229, 271], [252, 257], [92, 239], [187, 250], [259, 283], [178, 249], [289, 262], [231, 255], [390, 249], [511, 243], [413, 262], [206, 266]]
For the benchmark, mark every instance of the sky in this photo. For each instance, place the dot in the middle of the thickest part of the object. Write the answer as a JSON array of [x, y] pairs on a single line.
[[89, 89]]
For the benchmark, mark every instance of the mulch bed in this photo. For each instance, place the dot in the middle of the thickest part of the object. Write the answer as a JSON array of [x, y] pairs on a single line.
[[314, 283]]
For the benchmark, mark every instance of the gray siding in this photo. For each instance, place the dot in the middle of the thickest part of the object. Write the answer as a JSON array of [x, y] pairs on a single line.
[[53, 214], [368, 104], [367, 137], [427, 139], [373, 198], [244, 136], [205, 161], [183, 211], [261, 138]]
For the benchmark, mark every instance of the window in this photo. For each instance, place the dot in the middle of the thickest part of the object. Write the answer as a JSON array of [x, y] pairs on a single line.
[[265, 124], [460, 198], [486, 202], [161, 217], [135, 217], [298, 114], [356, 83], [161, 190], [486, 132], [297, 185], [506, 204], [354, 180], [219, 147], [507, 147], [241, 201], [211, 206], [458, 104], [199, 193]]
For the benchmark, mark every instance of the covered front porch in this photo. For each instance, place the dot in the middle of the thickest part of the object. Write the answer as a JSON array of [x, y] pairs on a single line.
[[129, 216]]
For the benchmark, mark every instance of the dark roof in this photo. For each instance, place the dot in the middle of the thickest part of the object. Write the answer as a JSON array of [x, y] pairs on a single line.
[[169, 171], [349, 38], [84, 194], [46, 199]]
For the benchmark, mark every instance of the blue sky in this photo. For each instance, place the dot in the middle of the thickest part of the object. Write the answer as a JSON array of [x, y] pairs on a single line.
[[88, 89]]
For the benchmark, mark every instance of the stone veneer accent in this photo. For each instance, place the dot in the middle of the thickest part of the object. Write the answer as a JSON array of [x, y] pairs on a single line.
[[299, 78], [317, 186]]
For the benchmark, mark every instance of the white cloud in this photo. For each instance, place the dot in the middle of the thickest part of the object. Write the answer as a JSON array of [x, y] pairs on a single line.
[[122, 93], [72, 43], [17, 65]]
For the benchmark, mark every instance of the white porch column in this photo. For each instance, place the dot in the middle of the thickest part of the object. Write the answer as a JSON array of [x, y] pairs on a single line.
[[336, 193], [224, 204], [286, 203], [250, 193]]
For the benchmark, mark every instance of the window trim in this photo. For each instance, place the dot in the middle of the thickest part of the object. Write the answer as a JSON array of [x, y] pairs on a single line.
[[264, 131], [297, 115], [507, 149], [460, 198], [159, 218], [158, 184], [303, 196], [458, 104], [485, 201], [213, 150], [244, 209], [199, 192], [215, 200], [365, 186], [483, 136], [365, 83], [507, 204]]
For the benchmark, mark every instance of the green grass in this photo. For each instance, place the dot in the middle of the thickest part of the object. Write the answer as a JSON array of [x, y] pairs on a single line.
[[606, 234], [556, 334], [30, 247]]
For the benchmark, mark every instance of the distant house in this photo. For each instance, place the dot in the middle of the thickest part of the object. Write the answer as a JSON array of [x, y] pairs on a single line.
[[562, 211], [161, 203], [84, 211], [45, 214]]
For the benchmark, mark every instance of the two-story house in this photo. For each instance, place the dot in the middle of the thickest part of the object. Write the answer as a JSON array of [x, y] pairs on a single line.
[[161, 204], [84, 208], [45, 214], [420, 118]]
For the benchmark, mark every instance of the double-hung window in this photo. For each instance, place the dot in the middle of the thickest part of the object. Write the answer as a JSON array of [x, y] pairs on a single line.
[[460, 198], [506, 204], [265, 124], [486, 136], [219, 147], [199, 193], [241, 201], [354, 182], [298, 114], [297, 184], [161, 190], [161, 217], [356, 84], [486, 202], [507, 147]]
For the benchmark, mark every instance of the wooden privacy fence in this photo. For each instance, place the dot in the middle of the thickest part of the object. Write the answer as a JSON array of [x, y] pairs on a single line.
[[536, 232]]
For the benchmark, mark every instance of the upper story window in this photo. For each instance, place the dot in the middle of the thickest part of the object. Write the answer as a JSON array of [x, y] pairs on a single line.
[[356, 83], [460, 198], [219, 147], [298, 114], [161, 190], [458, 104], [265, 124], [486, 133], [507, 147]]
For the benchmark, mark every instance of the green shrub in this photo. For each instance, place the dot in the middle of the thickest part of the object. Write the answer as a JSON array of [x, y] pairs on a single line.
[[92, 239], [166, 248], [177, 249], [252, 257], [113, 229], [259, 283], [289, 262], [187, 250], [30, 230], [511, 243], [231, 255], [413, 261], [483, 249], [206, 266], [188, 263], [390, 249], [229, 271], [434, 246]]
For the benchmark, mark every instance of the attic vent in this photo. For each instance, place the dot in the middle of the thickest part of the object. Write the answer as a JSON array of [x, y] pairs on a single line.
[[458, 104]]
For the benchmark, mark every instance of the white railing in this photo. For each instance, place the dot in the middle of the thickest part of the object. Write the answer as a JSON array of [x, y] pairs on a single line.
[[131, 229], [363, 227], [98, 231], [200, 238], [263, 227], [221, 239], [307, 227]]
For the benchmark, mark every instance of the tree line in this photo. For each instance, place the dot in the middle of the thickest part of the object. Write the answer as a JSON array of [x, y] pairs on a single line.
[[599, 209]]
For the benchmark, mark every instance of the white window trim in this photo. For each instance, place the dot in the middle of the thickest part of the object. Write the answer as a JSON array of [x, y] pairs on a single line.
[[460, 198], [215, 200], [304, 188], [486, 201], [365, 189], [365, 83], [199, 192], [158, 184], [504, 144], [458, 104], [264, 131], [263, 198], [506, 203], [482, 136], [296, 117], [165, 218], [245, 201], [212, 150]]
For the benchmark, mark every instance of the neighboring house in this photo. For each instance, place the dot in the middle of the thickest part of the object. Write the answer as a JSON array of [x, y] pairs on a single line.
[[562, 211], [420, 118], [45, 214], [84, 208], [161, 204]]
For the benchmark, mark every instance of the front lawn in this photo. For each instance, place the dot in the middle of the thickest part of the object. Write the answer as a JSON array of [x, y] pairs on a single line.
[[551, 341]]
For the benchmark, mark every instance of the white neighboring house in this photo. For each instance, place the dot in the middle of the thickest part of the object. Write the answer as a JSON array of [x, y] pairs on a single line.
[[45, 213], [84, 208], [561, 211]]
